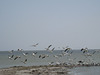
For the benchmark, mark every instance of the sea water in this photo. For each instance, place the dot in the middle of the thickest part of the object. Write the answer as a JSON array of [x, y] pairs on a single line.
[[92, 70], [71, 57]]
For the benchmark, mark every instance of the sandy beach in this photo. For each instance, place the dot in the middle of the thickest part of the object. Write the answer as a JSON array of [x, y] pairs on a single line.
[[35, 70]]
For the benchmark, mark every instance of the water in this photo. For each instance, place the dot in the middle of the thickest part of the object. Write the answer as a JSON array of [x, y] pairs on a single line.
[[93, 70], [72, 57]]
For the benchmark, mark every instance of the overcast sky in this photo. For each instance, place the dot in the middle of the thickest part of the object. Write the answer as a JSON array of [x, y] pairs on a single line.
[[73, 23]]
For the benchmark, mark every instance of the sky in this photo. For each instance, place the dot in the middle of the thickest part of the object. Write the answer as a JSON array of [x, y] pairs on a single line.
[[73, 23]]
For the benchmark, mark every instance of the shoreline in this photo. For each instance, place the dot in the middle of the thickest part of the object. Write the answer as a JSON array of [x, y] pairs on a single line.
[[35, 70], [41, 70]]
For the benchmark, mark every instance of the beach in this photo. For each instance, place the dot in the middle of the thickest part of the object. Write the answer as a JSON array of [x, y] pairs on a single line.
[[36, 70], [52, 70]]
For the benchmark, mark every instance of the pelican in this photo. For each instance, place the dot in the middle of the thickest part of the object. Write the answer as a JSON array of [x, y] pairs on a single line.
[[53, 49], [84, 50], [88, 54], [80, 62], [40, 56], [64, 53], [58, 63], [24, 61], [34, 53], [67, 49], [11, 51], [17, 57], [94, 52], [35, 45], [19, 49], [25, 54], [55, 56], [10, 57], [48, 47], [43, 56], [50, 63]]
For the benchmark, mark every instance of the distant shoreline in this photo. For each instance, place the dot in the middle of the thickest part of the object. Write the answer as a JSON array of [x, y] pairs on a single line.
[[45, 50]]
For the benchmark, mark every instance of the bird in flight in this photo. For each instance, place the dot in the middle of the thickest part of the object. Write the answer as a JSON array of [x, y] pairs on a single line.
[[24, 61], [48, 47], [35, 44]]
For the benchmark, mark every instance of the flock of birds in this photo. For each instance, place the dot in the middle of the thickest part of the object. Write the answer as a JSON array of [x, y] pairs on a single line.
[[65, 51]]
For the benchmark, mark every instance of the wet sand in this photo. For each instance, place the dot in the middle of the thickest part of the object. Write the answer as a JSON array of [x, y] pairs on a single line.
[[62, 69], [36, 70], [41, 70]]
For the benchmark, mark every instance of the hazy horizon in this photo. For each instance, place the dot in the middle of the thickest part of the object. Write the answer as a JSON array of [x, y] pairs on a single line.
[[73, 23]]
